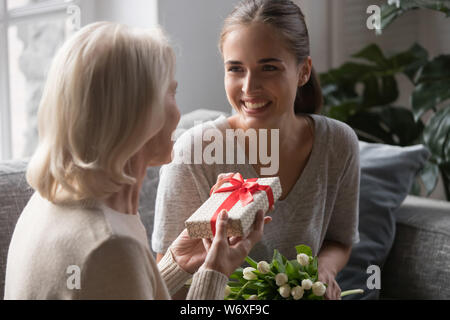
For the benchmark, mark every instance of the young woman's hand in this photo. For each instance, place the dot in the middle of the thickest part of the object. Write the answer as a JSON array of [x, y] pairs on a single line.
[[221, 180], [333, 291], [227, 254]]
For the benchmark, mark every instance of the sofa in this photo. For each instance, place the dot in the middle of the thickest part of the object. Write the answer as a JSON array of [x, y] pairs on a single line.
[[417, 265]]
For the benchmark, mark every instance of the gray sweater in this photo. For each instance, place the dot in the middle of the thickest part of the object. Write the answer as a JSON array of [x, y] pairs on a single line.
[[322, 205]]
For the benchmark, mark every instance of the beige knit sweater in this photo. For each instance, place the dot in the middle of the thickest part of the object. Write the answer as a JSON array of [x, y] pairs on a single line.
[[62, 252]]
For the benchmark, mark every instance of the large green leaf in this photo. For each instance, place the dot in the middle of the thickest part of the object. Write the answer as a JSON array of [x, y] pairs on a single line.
[[343, 111], [390, 12], [430, 176], [387, 124], [426, 96], [373, 54], [410, 61], [433, 87], [437, 69], [445, 171], [278, 262], [436, 136]]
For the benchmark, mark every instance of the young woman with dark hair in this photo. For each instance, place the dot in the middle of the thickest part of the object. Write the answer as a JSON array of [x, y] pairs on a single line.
[[271, 84]]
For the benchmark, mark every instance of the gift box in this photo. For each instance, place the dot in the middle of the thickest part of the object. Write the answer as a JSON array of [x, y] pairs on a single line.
[[241, 198]]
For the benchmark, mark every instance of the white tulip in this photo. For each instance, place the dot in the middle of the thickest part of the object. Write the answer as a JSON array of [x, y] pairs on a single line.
[[227, 291], [306, 284], [281, 279], [318, 288], [248, 273], [297, 292], [263, 267], [285, 291], [253, 297], [303, 259]]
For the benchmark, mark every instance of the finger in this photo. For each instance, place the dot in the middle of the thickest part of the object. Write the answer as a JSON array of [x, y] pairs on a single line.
[[221, 227], [224, 176], [207, 244], [233, 240], [220, 181], [267, 219], [258, 227]]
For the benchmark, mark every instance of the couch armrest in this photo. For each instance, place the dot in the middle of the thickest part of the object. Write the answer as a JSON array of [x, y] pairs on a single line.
[[418, 264]]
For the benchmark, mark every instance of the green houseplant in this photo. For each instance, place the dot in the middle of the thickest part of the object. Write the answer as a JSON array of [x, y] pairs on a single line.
[[363, 94]]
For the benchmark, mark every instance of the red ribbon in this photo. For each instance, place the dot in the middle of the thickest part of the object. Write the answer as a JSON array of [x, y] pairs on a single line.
[[242, 190]]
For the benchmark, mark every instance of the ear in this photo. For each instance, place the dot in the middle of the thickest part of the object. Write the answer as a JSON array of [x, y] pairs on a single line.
[[305, 71]]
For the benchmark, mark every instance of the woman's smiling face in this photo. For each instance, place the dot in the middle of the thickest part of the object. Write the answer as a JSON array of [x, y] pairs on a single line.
[[261, 75]]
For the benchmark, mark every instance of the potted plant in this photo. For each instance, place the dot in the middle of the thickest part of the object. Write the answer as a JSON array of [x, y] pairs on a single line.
[[362, 94]]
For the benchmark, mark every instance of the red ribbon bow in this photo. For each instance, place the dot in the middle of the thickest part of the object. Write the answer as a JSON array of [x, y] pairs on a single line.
[[242, 190]]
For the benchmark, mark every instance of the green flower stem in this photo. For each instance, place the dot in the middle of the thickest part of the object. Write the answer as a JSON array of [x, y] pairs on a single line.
[[349, 292], [251, 262], [242, 290]]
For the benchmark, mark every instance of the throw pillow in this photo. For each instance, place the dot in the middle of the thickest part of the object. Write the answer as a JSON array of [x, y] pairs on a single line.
[[387, 175]]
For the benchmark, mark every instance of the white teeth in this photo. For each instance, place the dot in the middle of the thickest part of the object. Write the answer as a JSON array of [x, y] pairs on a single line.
[[250, 105]]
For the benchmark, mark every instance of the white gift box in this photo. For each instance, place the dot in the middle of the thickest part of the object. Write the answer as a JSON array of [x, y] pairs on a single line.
[[241, 216]]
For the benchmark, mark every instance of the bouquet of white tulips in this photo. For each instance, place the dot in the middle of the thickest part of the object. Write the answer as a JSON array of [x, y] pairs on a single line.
[[281, 279]]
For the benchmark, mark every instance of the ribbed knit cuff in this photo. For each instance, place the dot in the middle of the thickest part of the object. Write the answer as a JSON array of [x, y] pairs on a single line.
[[207, 285], [174, 276]]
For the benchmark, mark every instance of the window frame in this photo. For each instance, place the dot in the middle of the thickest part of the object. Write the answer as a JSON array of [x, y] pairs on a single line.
[[7, 18]]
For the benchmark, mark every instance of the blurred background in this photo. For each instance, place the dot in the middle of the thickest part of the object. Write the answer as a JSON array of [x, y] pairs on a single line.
[[392, 87]]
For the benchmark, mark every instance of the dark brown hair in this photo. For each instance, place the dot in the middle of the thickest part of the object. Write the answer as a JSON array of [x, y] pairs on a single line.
[[286, 17]]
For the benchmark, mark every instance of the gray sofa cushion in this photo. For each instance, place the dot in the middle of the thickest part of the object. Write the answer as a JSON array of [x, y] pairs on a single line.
[[14, 195], [418, 264], [387, 174]]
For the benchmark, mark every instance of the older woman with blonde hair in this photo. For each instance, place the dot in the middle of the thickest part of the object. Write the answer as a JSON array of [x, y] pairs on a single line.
[[107, 113]]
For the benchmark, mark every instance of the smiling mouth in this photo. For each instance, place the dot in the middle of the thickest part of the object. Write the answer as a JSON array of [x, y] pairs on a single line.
[[252, 107]]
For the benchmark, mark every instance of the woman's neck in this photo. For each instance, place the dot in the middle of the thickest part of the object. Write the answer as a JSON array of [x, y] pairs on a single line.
[[126, 200], [289, 128], [290, 136]]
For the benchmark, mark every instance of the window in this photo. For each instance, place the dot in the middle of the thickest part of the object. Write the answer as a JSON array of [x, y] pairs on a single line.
[[31, 31]]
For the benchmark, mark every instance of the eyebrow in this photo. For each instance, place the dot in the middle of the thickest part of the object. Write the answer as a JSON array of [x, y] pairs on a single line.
[[267, 60]]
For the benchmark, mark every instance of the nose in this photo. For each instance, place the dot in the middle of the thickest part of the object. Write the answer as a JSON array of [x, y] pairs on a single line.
[[251, 84]]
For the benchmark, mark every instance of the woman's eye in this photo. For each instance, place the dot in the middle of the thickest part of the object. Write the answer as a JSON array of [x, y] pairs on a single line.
[[234, 69], [269, 68]]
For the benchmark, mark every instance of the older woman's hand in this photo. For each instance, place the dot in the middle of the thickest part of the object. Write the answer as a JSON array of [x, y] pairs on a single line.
[[188, 253], [224, 254], [227, 254]]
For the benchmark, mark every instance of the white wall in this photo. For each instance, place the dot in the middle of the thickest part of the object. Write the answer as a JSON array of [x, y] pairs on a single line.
[[194, 27], [317, 16], [138, 13]]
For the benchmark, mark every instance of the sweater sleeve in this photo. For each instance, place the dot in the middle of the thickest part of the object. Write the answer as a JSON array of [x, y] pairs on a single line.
[[206, 284], [343, 226], [173, 275]]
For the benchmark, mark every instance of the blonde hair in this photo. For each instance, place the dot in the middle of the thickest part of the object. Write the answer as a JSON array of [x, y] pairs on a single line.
[[103, 100]]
